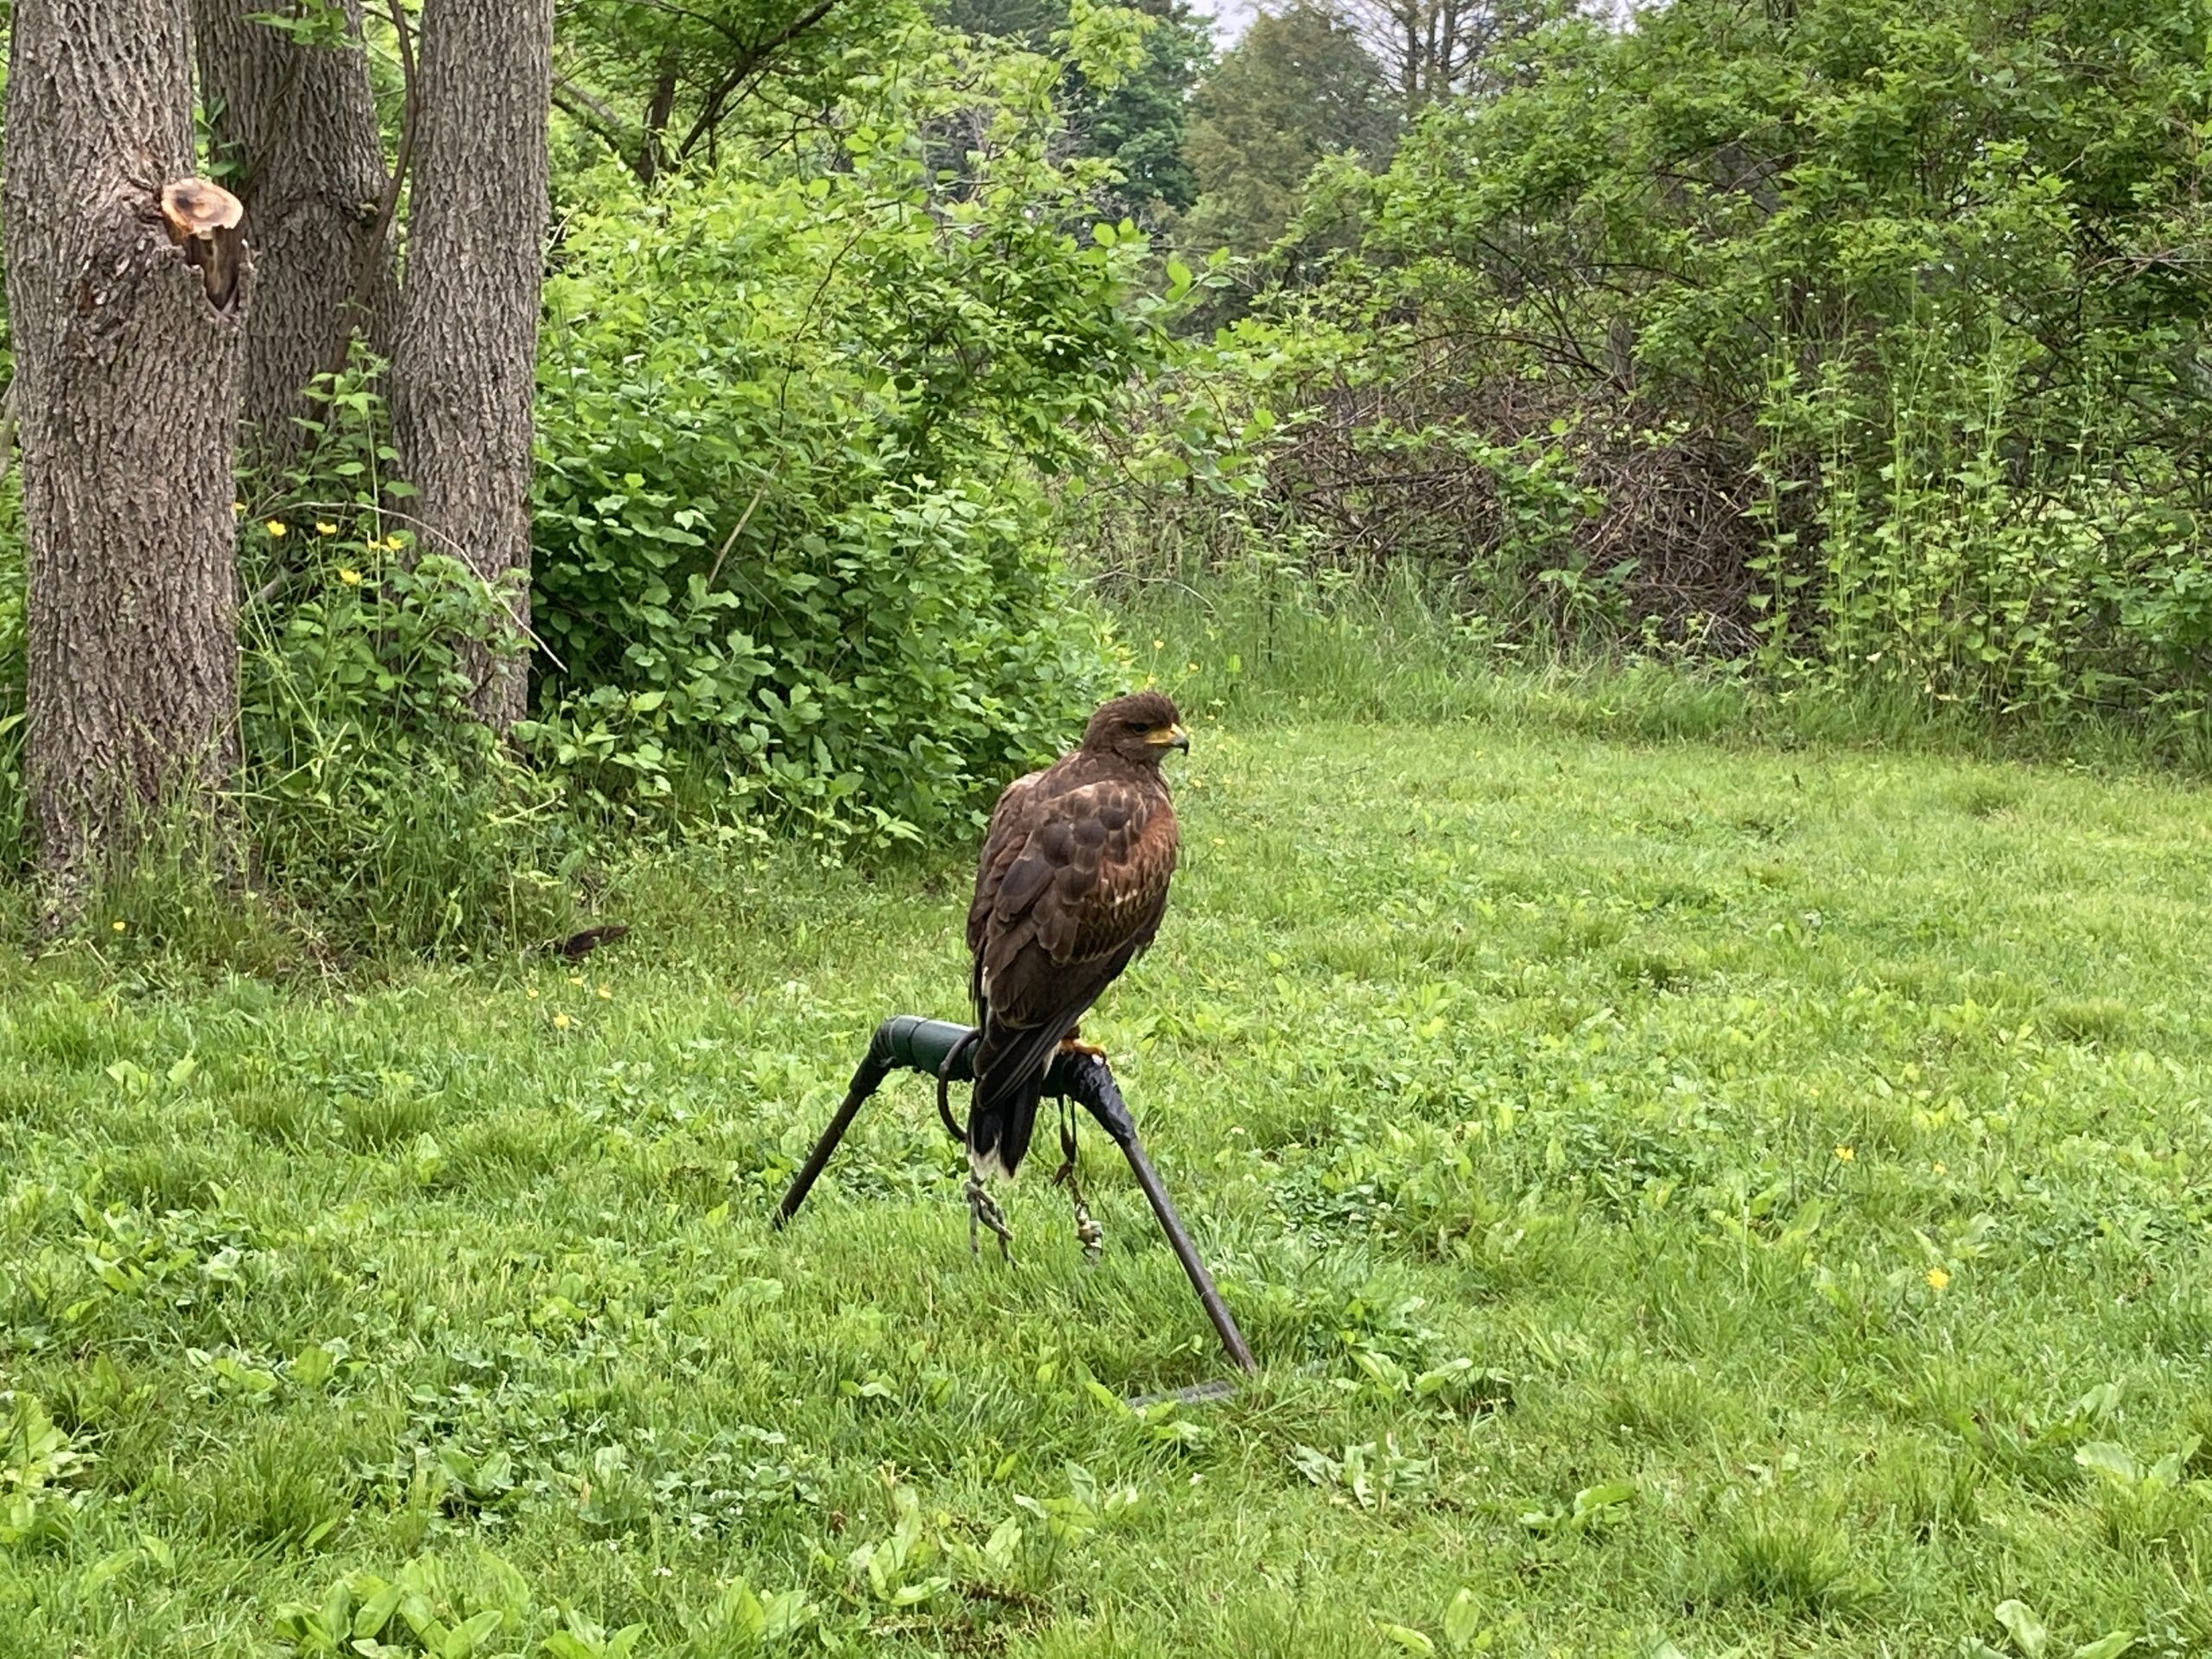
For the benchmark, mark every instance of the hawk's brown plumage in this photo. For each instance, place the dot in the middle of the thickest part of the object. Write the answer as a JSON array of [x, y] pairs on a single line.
[[1072, 886]]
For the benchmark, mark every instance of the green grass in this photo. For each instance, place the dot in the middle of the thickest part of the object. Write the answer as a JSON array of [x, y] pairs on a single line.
[[1746, 1200], [1384, 648]]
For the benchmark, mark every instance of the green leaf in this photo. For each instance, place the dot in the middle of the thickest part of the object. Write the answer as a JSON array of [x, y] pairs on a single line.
[[2026, 1631], [1462, 1620], [2115, 1462], [1612, 1494]]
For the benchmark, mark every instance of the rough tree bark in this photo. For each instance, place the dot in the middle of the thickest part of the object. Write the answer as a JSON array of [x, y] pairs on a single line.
[[301, 123], [464, 366], [128, 343]]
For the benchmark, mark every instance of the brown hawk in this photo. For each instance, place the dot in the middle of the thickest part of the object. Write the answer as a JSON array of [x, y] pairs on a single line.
[[1070, 888]]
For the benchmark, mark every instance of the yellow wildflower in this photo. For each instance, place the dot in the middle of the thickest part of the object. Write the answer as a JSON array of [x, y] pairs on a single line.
[[1941, 1168], [561, 1021], [321, 528], [1937, 1278], [1159, 645], [121, 926], [1844, 1154], [238, 509], [531, 992], [394, 542], [351, 578], [605, 995], [275, 527], [575, 979]]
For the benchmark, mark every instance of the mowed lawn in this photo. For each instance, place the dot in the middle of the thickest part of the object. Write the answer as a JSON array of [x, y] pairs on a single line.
[[1755, 1202]]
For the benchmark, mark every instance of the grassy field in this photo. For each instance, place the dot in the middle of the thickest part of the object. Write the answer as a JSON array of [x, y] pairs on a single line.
[[1751, 1202]]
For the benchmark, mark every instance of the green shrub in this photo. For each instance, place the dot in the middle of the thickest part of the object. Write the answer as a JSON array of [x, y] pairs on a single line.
[[800, 440], [1863, 343], [377, 805]]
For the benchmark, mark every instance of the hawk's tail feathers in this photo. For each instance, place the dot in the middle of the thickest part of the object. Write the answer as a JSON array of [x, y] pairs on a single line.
[[1010, 1066]]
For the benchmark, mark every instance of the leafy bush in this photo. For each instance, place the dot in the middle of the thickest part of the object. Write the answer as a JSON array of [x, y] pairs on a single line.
[[1861, 342], [375, 812], [799, 445], [376, 802]]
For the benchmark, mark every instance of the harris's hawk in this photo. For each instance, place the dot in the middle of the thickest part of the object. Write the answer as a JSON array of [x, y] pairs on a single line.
[[1071, 885]]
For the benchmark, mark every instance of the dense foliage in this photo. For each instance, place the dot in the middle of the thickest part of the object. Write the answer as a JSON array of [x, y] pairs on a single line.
[[1136, 118], [793, 523], [1867, 340], [382, 812], [1862, 345], [832, 315], [666, 89], [1297, 88]]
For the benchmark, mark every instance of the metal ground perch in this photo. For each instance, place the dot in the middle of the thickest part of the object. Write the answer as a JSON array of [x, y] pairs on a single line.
[[942, 1050]]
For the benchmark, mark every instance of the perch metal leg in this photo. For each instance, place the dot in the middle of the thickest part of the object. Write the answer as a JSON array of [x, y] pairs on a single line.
[[1225, 1323], [905, 1040], [1089, 1082], [866, 1081]]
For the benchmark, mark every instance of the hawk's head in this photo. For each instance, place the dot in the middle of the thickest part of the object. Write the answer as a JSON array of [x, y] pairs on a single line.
[[1141, 729]]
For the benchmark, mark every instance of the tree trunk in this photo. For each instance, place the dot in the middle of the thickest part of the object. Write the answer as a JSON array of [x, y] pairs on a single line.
[[127, 348], [300, 123], [464, 366], [652, 148]]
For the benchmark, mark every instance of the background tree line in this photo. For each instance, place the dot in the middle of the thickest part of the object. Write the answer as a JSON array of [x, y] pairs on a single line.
[[716, 419], [1850, 345]]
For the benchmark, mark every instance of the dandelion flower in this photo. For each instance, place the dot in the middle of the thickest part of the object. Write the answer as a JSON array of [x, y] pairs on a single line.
[[277, 528], [1159, 645], [1937, 1278], [531, 992], [321, 528], [122, 926], [351, 578], [1941, 1168], [561, 1022], [1844, 1154]]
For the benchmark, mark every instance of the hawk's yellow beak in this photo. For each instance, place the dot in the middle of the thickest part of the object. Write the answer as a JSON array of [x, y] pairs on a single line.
[[1169, 737]]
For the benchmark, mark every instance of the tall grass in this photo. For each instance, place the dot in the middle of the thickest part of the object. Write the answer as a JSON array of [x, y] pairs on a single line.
[[1271, 645]]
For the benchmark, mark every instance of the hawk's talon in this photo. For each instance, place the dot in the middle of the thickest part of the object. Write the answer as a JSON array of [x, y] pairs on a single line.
[[1087, 1232], [1090, 1233], [1073, 1045], [983, 1211]]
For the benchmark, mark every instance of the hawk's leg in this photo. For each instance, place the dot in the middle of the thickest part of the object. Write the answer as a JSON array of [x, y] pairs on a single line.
[[1092, 1236], [983, 1211]]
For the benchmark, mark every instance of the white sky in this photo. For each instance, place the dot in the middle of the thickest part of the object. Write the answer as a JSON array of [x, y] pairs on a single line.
[[1229, 17]]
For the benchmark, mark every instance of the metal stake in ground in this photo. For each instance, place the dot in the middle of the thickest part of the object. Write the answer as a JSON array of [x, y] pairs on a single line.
[[940, 1049]]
